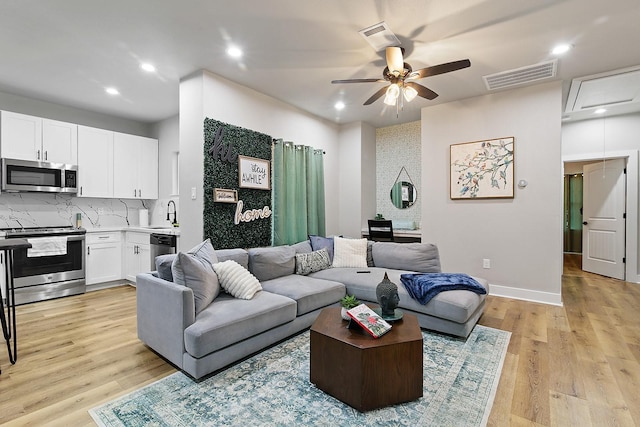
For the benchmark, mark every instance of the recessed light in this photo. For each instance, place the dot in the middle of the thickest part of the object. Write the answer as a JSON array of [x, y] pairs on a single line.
[[339, 105], [560, 49], [600, 111], [150, 68], [234, 52], [112, 91]]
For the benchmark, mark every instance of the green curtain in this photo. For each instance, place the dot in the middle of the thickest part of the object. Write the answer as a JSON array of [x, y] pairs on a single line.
[[298, 193]]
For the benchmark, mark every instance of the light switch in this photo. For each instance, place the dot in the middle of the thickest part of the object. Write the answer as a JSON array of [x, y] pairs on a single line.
[[193, 193]]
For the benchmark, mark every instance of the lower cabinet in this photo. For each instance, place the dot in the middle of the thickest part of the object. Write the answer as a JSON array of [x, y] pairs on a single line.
[[137, 254], [104, 257]]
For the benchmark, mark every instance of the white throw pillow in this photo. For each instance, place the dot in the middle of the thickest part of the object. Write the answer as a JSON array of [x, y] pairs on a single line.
[[236, 280], [349, 252]]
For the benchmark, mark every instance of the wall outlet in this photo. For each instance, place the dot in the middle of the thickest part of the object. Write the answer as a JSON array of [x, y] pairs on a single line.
[[193, 193], [486, 263]]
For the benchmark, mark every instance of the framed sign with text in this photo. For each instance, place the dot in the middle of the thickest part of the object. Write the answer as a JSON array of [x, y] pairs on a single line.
[[254, 173]]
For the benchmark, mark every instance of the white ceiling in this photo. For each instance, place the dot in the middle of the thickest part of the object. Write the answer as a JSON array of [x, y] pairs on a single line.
[[68, 51]]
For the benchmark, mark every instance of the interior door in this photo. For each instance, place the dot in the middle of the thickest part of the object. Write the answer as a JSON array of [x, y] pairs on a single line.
[[603, 234]]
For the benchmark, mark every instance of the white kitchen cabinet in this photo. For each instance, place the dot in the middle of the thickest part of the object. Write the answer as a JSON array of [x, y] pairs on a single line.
[[136, 167], [59, 142], [137, 254], [33, 138], [95, 162], [104, 257]]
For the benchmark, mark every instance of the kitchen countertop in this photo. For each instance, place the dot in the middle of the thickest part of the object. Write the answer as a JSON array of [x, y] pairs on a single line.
[[161, 229]]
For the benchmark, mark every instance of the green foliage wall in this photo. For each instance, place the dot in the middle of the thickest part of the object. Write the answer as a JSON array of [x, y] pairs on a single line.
[[222, 144]]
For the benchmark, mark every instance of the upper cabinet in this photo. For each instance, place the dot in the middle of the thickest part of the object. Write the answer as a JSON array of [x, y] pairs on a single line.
[[33, 138], [136, 160], [110, 164], [95, 162]]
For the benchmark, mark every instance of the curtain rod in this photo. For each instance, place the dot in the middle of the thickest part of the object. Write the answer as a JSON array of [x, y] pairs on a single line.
[[276, 140]]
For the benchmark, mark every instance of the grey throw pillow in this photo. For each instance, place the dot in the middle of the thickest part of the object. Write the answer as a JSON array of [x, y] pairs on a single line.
[[202, 251], [198, 274], [311, 262], [272, 262]]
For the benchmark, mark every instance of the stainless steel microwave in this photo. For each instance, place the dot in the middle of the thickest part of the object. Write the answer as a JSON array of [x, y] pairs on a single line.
[[27, 175]]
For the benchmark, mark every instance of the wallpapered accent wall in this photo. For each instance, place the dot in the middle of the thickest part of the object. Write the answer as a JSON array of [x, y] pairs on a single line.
[[398, 146], [222, 145]]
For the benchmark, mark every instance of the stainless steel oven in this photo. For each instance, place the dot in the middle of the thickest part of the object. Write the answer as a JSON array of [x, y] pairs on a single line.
[[55, 265]]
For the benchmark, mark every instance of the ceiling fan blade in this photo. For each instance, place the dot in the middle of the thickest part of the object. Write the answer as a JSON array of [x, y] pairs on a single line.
[[376, 95], [358, 81], [440, 69], [395, 62], [422, 91]]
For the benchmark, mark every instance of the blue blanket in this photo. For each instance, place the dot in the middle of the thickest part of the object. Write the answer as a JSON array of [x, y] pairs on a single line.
[[424, 286]]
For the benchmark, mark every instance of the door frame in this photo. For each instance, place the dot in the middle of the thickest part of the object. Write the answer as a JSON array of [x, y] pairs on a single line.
[[631, 233]]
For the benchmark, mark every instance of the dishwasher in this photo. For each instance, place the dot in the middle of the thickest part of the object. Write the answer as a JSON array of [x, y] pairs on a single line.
[[161, 244]]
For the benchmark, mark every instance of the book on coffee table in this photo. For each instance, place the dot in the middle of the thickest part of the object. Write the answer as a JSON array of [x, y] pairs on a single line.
[[369, 320]]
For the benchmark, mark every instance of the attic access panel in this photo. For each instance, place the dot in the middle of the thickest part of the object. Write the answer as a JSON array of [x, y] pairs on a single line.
[[617, 87]]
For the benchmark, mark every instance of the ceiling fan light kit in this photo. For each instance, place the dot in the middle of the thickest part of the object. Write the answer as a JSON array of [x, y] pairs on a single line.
[[401, 76]]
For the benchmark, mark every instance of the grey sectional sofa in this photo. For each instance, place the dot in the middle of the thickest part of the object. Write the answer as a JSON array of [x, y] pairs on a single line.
[[230, 329]]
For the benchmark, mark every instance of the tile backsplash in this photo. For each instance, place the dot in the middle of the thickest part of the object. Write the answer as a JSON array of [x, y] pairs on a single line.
[[46, 209], [398, 146]]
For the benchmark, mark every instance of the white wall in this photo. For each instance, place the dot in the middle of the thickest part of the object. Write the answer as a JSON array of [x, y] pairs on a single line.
[[168, 134], [521, 236], [205, 94], [49, 110], [612, 137]]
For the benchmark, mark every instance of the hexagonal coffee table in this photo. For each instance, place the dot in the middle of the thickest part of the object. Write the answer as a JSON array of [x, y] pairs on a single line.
[[363, 372]]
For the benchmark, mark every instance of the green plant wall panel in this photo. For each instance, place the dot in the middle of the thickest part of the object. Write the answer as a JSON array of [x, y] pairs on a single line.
[[222, 145]]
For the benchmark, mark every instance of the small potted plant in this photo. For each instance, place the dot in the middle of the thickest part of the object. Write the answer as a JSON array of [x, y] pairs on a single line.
[[348, 302]]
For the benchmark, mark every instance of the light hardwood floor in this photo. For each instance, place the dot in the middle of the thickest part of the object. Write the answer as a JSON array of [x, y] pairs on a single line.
[[577, 365]]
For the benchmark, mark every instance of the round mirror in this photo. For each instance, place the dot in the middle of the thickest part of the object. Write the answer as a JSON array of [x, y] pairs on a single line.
[[403, 194]]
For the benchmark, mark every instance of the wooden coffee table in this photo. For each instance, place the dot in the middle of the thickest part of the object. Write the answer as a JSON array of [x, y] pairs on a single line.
[[363, 372]]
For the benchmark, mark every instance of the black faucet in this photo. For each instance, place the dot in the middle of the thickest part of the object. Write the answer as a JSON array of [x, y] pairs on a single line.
[[175, 212]]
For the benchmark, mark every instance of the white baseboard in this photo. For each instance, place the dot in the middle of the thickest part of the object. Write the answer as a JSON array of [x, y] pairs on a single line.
[[525, 294]]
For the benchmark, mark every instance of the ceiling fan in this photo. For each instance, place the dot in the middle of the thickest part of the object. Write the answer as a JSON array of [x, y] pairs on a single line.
[[401, 77]]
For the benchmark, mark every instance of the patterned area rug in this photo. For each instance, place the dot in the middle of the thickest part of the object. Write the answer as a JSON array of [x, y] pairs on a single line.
[[273, 389]]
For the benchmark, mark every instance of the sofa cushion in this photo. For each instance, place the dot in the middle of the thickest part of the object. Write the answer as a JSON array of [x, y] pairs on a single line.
[[349, 252], [313, 261], [238, 255], [198, 275], [229, 320], [269, 263], [319, 242], [303, 247], [309, 293], [236, 280], [163, 266], [416, 257], [369, 253]]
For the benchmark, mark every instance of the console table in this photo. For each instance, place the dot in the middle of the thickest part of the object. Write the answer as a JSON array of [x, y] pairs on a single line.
[[400, 235], [9, 321]]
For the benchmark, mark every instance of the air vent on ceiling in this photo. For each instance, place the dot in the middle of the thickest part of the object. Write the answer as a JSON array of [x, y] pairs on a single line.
[[379, 36], [613, 88], [521, 76]]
